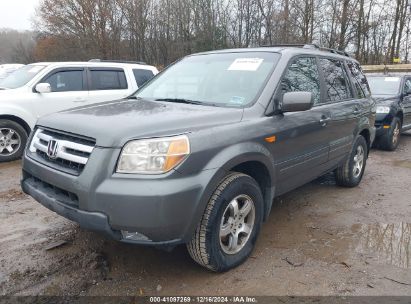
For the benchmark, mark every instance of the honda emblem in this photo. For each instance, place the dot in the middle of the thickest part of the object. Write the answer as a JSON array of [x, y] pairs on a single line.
[[52, 148]]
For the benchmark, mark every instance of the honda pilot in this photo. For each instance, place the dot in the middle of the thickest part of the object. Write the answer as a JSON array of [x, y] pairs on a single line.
[[197, 155]]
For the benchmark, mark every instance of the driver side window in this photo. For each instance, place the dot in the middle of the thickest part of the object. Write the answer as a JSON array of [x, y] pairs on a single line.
[[302, 76], [65, 81]]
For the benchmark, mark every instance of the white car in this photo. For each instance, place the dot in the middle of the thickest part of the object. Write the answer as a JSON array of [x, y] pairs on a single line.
[[7, 69], [43, 88]]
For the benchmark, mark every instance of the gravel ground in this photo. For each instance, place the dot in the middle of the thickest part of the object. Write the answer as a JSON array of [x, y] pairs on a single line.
[[319, 240]]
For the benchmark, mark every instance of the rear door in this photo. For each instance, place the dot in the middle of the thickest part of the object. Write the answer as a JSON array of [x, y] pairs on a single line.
[[107, 84], [68, 90], [301, 149], [344, 107]]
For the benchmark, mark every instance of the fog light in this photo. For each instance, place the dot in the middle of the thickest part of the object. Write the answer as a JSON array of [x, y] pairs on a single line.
[[134, 236]]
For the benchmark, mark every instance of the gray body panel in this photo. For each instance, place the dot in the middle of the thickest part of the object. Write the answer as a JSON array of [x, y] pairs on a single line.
[[167, 207]]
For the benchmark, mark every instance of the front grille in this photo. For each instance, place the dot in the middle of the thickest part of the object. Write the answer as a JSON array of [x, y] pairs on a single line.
[[65, 152], [61, 195]]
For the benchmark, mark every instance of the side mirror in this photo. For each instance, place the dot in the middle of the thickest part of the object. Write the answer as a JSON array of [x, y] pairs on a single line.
[[297, 101], [43, 88]]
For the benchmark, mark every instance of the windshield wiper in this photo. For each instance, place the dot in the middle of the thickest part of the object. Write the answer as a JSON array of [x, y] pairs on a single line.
[[182, 100]]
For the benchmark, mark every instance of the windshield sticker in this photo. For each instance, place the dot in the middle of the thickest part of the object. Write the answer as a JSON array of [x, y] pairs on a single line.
[[246, 64], [394, 79], [237, 100], [35, 69]]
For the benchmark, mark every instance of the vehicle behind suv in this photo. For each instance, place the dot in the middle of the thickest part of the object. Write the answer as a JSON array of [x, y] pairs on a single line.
[[199, 153], [43, 88], [7, 69], [393, 96]]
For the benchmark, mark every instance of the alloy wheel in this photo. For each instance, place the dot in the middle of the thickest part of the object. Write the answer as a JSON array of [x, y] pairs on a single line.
[[237, 224], [358, 161], [10, 141]]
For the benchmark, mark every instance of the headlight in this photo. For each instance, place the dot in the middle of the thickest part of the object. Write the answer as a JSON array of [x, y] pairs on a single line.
[[383, 110], [153, 156]]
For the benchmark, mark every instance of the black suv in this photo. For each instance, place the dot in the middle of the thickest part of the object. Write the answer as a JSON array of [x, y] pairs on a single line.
[[197, 155], [393, 96]]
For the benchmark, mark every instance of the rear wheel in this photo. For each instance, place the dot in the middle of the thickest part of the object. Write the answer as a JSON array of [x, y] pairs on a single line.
[[350, 173], [391, 139], [227, 232], [13, 140]]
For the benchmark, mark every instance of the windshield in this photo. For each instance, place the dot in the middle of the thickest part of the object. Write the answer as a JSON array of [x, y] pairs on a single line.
[[225, 79], [384, 85], [21, 76]]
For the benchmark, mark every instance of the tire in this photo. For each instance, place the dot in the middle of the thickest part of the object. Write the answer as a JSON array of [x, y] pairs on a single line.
[[211, 249], [13, 139], [350, 174], [391, 139]]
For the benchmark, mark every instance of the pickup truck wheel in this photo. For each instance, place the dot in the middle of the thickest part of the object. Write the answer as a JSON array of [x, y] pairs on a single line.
[[350, 173], [227, 232], [13, 140], [391, 139]]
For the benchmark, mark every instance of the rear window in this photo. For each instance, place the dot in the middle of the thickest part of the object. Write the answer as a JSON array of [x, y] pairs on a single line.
[[108, 80], [142, 76], [363, 90], [336, 81]]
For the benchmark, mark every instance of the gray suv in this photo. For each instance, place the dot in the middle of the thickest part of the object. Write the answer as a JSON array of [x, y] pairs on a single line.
[[198, 154]]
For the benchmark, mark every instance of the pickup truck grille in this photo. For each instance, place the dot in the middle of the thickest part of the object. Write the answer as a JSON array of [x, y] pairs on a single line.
[[62, 151]]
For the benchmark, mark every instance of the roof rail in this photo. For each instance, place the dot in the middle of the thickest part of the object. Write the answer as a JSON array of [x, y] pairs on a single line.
[[283, 45], [118, 61], [311, 46]]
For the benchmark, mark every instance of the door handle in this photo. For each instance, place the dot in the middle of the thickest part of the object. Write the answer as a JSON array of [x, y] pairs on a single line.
[[324, 120], [79, 99]]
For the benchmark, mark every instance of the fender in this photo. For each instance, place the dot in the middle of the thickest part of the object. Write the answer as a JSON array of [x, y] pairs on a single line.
[[223, 162], [19, 112]]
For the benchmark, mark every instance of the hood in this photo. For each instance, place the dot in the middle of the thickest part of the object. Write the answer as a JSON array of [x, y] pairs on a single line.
[[112, 124], [7, 94]]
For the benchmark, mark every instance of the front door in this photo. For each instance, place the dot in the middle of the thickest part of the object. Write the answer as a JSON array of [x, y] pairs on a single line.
[[302, 144], [68, 90]]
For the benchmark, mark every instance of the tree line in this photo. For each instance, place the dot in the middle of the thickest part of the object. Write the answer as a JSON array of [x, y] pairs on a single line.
[[161, 31]]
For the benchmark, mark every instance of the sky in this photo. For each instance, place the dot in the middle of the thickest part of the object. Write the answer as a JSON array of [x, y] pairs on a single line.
[[17, 14]]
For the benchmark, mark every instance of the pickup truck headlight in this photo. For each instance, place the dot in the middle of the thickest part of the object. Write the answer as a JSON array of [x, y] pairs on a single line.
[[153, 156], [383, 109]]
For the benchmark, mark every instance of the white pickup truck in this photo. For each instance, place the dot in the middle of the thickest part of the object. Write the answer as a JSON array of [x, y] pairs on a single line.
[[43, 88]]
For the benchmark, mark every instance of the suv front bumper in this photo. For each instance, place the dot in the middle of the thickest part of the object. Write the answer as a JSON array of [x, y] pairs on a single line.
[[164, 209]]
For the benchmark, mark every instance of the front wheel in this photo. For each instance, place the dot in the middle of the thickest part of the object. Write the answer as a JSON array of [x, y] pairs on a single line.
[[227, 232], [350, 173], [13, 140], [391, 139]]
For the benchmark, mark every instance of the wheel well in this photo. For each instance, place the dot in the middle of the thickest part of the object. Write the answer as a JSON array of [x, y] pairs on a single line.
[[17, 120], [366, 134], [400, 115], [260, 173]]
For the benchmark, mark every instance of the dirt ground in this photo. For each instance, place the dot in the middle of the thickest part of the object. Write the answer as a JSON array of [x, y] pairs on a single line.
[[319, 240]]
